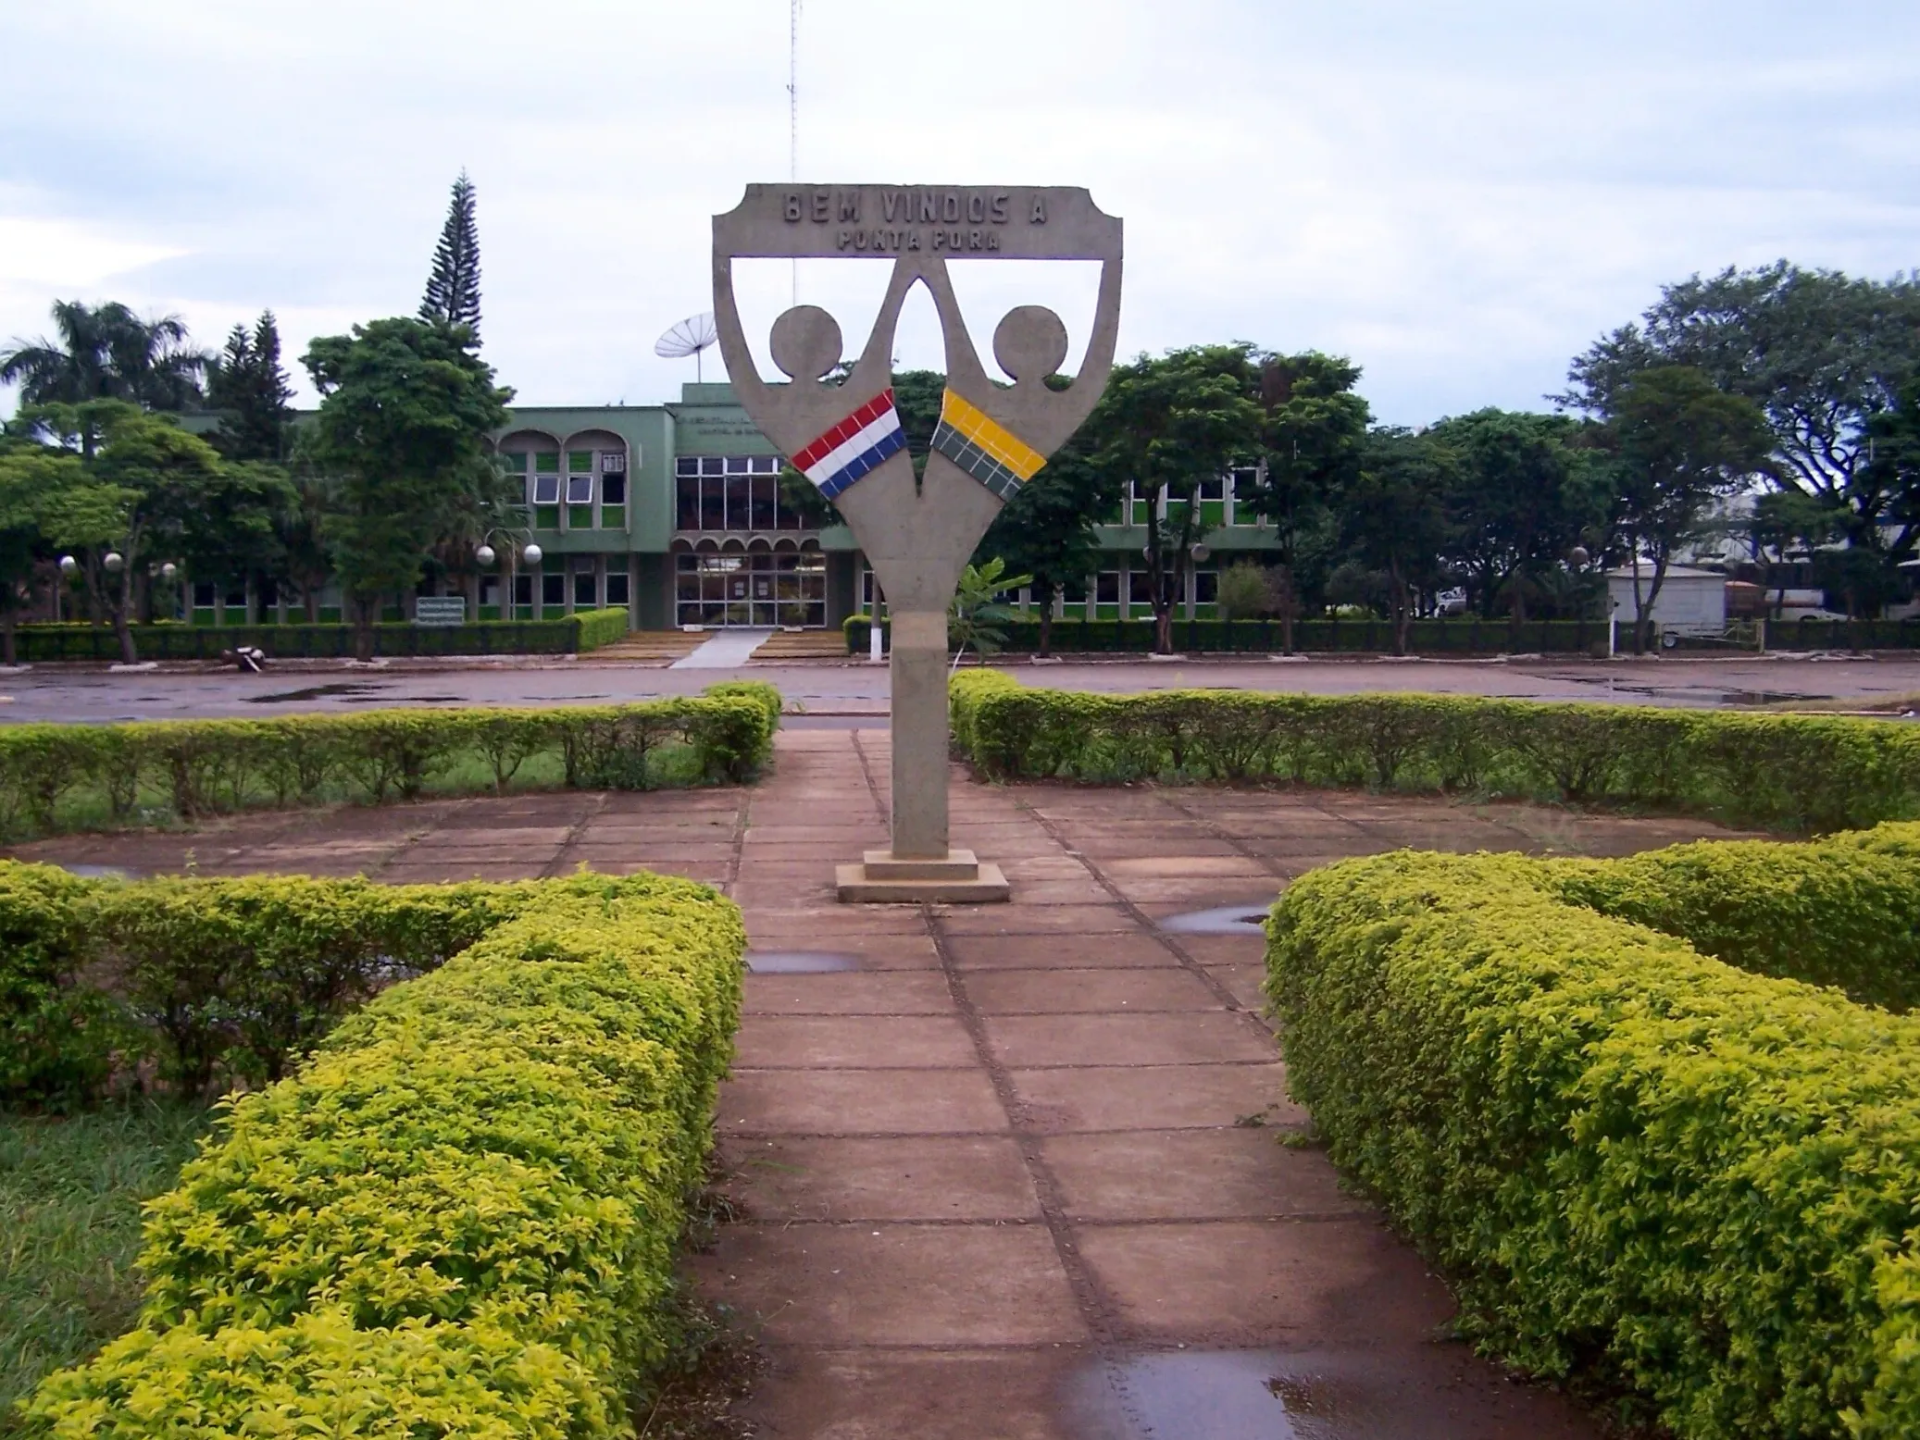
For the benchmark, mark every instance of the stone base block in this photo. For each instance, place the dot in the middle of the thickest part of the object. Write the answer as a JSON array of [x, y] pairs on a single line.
[[861, 885], [958, 865]]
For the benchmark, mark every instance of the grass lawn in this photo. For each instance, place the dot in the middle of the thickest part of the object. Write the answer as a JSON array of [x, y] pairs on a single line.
[[70, 1193]]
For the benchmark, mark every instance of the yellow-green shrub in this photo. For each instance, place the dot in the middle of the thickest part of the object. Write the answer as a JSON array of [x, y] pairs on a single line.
[[1794, 771], [1844, 911], [1631, 1159], [460, 1216], [58, 1032], [219, 979], [56, 776]]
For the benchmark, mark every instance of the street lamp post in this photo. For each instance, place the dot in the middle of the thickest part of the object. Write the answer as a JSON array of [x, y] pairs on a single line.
[[486, 555]]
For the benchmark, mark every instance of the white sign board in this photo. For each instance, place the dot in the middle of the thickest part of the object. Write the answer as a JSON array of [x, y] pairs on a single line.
[[440, 610]]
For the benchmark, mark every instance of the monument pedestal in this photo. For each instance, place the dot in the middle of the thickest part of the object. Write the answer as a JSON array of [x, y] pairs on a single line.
[[957, 879]]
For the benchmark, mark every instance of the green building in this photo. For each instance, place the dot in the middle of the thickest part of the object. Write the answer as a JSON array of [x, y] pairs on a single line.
[[673, 512]]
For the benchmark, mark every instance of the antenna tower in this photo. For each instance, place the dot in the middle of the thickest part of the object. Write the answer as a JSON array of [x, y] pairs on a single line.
[[793, 114]]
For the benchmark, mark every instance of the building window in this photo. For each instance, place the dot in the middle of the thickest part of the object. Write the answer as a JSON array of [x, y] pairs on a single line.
[[1074, 591], [523, 591], [1140, 587], [617, 592], [546, 490], [1106, 587], [613, 487], [580, 489], [553, 592], [737, 493], [762, 588], [1206, 587], [1213, 489]]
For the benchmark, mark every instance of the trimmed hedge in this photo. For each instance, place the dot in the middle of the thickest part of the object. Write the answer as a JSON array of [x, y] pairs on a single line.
[[460, 1217], [1844, 911], [583, 630], [1262, 637], [55, 777], [215, 981], [1794, 771], [1637, 1164]]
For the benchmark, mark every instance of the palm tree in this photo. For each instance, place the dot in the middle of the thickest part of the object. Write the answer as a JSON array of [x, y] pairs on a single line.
[[107, 353]]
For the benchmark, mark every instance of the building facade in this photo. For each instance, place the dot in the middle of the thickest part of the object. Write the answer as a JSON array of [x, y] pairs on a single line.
[[673, 513]]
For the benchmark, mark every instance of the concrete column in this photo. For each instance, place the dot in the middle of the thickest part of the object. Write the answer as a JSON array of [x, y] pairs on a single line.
[[918, 676]]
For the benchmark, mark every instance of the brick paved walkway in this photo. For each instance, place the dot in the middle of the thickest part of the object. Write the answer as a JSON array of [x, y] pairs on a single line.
[[1018, 1173]]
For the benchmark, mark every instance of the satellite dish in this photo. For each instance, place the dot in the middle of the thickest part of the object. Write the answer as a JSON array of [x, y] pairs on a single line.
[[689, 337]]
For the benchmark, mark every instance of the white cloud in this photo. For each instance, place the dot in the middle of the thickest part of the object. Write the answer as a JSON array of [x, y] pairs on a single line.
[[1459, 197]]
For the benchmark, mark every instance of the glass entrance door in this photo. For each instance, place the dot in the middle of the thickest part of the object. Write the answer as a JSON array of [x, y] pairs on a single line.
[[762, 588]]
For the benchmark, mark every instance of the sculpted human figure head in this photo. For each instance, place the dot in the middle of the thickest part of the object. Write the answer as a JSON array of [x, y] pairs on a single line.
[[918, 533]]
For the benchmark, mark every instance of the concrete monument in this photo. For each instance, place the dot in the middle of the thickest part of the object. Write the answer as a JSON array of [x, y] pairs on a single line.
[[846, 437]]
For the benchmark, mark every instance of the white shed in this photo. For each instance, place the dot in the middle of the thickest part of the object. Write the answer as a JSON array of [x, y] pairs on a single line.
[[1692, 602]]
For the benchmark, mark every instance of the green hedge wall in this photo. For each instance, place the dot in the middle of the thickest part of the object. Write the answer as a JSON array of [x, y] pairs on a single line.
[[1457, 636], [1354, 637], [1842, 912], [1792, 771], [215, 981], [460, 1217], [581, 631], [55, 777], [1635, 1163]]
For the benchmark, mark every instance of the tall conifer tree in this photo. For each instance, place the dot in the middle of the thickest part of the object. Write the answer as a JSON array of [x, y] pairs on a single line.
[[246, 380], [453, 289]]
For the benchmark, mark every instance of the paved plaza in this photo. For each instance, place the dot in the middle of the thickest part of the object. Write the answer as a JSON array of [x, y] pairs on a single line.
[[837, 687], [1013, 1171]]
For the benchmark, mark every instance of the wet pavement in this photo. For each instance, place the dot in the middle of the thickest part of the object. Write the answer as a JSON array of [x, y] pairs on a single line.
[[838, 688], [1018, 1170]]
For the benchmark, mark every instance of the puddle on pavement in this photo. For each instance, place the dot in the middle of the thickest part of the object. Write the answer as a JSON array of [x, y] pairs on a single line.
[[345, 688], [1697, 695], [1265, 1395], [1248, 919], [1217, 1395], [799, 962]]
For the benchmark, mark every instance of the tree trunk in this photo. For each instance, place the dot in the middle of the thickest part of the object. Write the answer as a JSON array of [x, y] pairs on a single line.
[[1048, 595], [364, 611], [310, 600], [123, 611]]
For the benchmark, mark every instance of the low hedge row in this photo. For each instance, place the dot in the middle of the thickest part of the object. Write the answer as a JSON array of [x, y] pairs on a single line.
[[55, 777], [566, 635], [1792, 771], [1844, 911], [460, 1217], [1468, 636], [214, 981], [1636, 1163]]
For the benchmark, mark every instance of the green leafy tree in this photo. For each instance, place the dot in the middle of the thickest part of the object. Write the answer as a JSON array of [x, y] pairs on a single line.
[[1167, 423], [453, 288], [106, 353], [248, 384], [1787, 523], [403, 431], [1393, 516], [1524, 495], [1311, 443], [1047, 530], [1248, 591], [976, 612], [118, 481], [1819, 352], [1681, 443]]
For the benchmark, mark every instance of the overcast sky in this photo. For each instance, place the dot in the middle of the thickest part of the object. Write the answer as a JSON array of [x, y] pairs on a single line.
[[1458, 197]]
